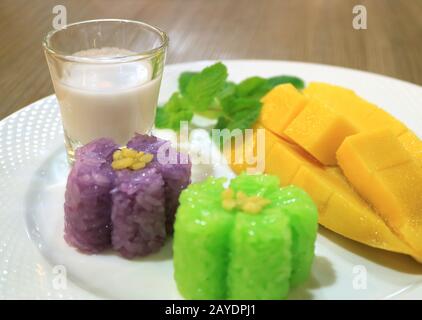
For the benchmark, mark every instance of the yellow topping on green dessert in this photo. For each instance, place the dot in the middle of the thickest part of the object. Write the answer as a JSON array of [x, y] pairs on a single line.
[[239, 200]]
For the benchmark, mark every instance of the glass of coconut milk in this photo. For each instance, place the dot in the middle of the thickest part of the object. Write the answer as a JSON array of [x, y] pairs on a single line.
[[106, 75]]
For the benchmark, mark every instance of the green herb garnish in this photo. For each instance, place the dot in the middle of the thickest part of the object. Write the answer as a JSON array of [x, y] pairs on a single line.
[[209, 94]]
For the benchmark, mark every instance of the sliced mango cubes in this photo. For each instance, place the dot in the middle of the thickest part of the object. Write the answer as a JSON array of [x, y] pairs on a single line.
[[320, 131], [280, 106], [361, 166], [340, 208], [385, 174]]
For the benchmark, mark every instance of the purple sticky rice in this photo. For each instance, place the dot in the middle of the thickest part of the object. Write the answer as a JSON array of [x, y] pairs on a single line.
[[131, 211], [87, 199], [176, 171], [138, 213]]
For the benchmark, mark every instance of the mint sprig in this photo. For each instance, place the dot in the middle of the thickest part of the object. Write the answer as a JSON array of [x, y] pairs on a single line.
[[238, 113], [184, 80], [208, 93], [177, 109], [205, 86]]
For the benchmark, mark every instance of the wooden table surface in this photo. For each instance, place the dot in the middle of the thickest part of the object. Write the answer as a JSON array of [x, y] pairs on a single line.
[[304, 30]]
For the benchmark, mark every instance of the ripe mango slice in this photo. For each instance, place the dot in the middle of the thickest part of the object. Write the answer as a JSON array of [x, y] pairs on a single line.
[[284, 160], [379, 149], [412, 144], [340, 208], [384, 173], [363, 115], [343, 101], [302, 136], [380, 119], [320, 131], [317, 128], [280, 106], [245, 156]]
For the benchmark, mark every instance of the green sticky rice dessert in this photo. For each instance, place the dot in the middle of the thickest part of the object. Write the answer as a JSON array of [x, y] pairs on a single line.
[[253, 240], [301, 212]]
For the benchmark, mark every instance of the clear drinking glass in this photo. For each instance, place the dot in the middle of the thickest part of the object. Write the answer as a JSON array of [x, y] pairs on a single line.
[[106, 75]]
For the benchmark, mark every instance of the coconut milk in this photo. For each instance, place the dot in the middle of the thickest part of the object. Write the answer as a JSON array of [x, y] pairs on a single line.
[[112, 100]]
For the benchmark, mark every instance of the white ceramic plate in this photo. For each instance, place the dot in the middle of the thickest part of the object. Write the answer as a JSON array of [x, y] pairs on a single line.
[[35, 262]]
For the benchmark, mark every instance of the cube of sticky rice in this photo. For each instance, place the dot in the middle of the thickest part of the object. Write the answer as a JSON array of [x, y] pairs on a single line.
[[87, 198], [138, 212], [300, 211], [259, 184], [146, 143], [174, 167], [260, 256], [176, 178], [100, 149], [303, 218], [201, 242]]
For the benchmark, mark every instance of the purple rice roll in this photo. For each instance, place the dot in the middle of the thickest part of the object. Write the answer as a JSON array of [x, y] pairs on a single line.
[[100, 149], [177, 178], [87, 199], [176, 170], [146, 143], [138, 213]]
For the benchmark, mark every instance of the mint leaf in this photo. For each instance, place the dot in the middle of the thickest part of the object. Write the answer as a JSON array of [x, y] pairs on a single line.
[[184, 80], [204, 86], [275, 81], [229, 89], [244, 119], [175, 110], [257, 87], [215, 108], [209, 94], [249, 85], [233, 104], [239, 113]]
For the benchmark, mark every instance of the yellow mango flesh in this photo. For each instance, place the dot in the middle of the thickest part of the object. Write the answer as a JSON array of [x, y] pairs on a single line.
[[293, 152], [343, 101], [340, 208], [380, 149], [379, 119], [280, 106], [284, 160], [363, 115], [321, 118], [385, 174], [320, 131], [412, 144], [244, 157]]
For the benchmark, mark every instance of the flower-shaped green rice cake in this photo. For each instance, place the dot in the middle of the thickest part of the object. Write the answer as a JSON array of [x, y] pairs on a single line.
[[253, 240]]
